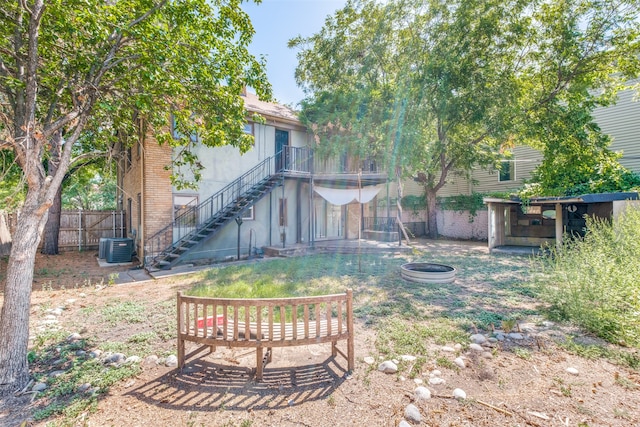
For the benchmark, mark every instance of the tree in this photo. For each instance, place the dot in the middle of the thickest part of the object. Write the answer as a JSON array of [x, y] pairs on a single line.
[[439, 87], [102, 69]]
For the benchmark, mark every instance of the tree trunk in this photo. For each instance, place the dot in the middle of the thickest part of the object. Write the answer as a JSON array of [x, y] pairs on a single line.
[[432, 214], [52, 228], [14, 318], [51, 232]]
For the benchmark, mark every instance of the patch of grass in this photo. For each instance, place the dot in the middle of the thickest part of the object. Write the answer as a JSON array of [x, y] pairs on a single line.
[[55, 272], [592, 282], [123, 312], [398, 336], [444, 362], [62, 397], [617, 356], [522, 353], [163, 319]]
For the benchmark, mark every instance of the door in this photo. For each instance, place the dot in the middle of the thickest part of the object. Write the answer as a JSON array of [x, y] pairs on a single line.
[[282, 143], [328, 222]]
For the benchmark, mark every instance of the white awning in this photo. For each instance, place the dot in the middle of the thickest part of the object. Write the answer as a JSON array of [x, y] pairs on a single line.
[[342, 196]]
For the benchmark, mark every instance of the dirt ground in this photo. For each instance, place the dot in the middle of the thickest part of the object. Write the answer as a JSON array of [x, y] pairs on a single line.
[[304, 386]]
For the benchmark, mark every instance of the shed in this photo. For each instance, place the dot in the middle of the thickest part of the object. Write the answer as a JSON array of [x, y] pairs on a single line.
[[545, 220]]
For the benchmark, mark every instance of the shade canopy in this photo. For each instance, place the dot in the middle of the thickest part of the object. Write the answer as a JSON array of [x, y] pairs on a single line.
[[344, 196]]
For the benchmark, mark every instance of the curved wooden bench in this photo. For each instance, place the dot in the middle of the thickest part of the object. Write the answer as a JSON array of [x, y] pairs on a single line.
[[264, 323]]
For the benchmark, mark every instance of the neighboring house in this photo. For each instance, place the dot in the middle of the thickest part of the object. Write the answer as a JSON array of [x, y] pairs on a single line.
[[509, 225], [273, 195], [620, 121]]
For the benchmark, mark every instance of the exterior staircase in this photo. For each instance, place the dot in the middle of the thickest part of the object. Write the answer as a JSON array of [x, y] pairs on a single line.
[[201, 222]]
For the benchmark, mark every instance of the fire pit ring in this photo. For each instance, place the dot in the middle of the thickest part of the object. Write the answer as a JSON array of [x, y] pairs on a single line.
[[425, 272]]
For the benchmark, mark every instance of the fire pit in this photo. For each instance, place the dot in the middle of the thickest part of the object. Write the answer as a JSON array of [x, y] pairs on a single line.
[[424, 272]]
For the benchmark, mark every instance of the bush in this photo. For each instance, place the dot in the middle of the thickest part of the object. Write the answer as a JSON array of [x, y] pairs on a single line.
[[595, 281]]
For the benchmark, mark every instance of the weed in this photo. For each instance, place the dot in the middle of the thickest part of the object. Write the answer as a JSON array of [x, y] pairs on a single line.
[[446, 363], [522, 353], [576, 271], [331, 401], [123, 312], [620, 357]]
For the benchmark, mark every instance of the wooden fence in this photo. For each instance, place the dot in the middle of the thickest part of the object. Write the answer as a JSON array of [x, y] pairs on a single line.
[[82, 230]]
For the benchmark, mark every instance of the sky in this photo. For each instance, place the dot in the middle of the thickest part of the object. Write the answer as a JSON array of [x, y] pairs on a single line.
[[277, 21]]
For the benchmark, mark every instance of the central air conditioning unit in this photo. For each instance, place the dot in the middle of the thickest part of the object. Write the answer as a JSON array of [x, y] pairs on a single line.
[[119, 250], [102, 247]]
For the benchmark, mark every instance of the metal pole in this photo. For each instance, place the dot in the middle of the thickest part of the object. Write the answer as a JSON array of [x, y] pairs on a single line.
[[239, 222]]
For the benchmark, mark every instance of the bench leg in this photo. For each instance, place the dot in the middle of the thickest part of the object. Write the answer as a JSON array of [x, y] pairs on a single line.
[[259, 364], [351, 362], [269, 352], [180, 353], [334, 350]]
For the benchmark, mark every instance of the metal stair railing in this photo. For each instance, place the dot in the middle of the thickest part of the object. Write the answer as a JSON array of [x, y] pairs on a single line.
[[197, 217]]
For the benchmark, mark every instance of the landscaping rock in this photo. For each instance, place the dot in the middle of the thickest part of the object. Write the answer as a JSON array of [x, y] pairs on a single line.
[[487, 355], [74, 337], [407, 358], [95, 354], [39, 387], [83, 388], [369, 360], [478, 339], [422, 393], [448, 349], [459, 363], [572, 371], [516, 336], [500, 337], [132, 359], [388, 367], [115, 358], [54, 374], [459, 394], [412, 413], [418, 381], [404, 423], [171, 361], [435, 373], [476, 347], [436, 381], [151, 360], [457, 347]]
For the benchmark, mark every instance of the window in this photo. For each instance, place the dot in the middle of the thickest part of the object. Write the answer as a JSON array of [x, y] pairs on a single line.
[[507, 170], [183, 209], [248, 128], [248, 215], [282, 213], [129, 161], [177, 134]]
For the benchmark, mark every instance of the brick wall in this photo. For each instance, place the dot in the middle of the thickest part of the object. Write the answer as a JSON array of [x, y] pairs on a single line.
[[147, 182]]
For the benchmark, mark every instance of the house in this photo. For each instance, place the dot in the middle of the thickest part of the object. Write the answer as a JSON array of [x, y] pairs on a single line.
[[276, 194], [507, 222]]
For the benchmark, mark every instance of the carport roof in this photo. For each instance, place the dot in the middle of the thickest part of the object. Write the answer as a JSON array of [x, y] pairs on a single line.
[[585, 198]]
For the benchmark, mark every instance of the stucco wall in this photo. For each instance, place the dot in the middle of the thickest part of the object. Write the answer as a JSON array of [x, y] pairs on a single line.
[[456, 225]]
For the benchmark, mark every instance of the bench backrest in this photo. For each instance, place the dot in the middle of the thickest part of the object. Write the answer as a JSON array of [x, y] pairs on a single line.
[[277, 320]]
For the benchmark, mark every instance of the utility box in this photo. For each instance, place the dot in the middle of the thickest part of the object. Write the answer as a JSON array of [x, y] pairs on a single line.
[[119, 250], [103, 246]]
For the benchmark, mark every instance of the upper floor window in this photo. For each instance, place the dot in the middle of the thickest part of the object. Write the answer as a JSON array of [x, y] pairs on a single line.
[[248, 128], [507, 170], [176, 134]]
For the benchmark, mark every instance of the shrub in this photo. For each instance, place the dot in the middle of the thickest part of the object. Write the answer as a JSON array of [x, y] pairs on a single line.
[[594, 281]]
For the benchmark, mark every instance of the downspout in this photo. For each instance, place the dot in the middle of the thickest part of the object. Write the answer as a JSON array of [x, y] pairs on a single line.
[[141, 221]]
